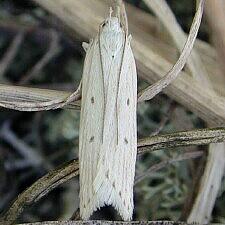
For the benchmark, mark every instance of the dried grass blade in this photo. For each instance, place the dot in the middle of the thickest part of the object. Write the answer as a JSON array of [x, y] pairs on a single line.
[[156, 88], [196, 67], [42, 106]]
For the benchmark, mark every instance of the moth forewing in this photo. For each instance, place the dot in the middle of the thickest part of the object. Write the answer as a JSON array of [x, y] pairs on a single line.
[[108, 132]]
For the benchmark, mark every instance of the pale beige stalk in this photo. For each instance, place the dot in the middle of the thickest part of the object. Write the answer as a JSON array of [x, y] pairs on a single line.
[[157, 87]]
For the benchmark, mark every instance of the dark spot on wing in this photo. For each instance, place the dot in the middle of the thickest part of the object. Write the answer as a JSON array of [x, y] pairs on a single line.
[[92, 139], [128, 101], [107, 174]]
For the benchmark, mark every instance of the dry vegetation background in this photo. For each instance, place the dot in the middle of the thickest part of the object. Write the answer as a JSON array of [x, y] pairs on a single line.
[[38, 50]]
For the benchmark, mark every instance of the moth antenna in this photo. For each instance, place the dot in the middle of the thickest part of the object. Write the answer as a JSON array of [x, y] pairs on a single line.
[[110, 12], [121, 14], [118, 13], [110, 15], [124, 17]]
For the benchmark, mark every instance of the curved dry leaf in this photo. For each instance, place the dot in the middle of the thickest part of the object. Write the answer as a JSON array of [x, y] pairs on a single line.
[[156, 88]]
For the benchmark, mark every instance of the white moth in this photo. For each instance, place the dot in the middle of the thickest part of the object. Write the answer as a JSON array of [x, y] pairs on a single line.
[[108, 130]]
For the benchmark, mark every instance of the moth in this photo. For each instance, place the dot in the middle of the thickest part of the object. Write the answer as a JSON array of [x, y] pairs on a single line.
[[108, 126]]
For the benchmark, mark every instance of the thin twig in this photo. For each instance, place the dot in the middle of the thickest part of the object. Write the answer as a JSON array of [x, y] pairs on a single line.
[[7, 198], [10, 54], [43, 106], [156, 88], [52, 51], [166, 117], [33, 157], [76, 215], [17, 95], [164, 163], [184, 138], [40, 105], [103, 222], [18, 164], [196, 177], [40, 188], [44, 185]]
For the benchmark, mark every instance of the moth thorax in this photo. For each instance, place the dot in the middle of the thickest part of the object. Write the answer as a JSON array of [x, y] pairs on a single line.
[[112, 24]]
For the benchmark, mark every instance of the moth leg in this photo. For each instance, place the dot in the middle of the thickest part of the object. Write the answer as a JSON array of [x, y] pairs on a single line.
[[129, 38], [86, 45], [118, 13], [124, 19]]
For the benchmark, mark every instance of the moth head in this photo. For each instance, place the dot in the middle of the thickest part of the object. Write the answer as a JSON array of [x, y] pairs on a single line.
[[111, 24]]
